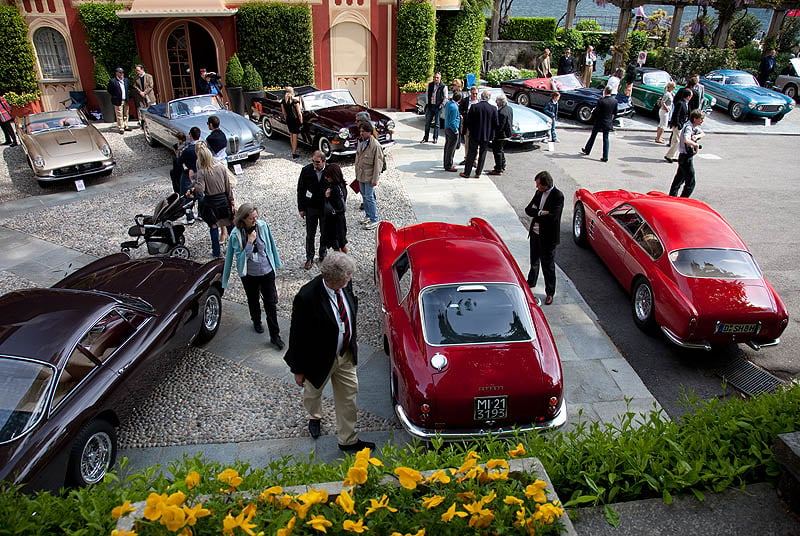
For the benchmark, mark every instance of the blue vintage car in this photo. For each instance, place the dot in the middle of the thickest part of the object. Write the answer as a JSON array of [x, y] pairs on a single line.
[[162, 121], [738, 92]]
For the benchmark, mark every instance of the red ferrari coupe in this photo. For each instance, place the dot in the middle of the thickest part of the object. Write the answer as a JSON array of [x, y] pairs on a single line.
[[471, 352], [687, 270]]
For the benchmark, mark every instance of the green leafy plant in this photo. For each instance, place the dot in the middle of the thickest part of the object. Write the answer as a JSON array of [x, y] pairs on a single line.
[[459, 40], [17, 60], [416, 41], [234, 73], [414, 87], [110, 38], [570, 38], [745, 29], [506, 72], [529, 28], [251, 80], [22, 99], [638, 42], [788, 38], [683, 62], [101, 76]]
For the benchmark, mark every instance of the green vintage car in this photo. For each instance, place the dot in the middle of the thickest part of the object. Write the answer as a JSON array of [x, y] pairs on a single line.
[[648, 87]]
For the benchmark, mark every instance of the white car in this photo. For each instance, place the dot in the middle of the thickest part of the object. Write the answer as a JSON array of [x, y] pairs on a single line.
[[788, 81]]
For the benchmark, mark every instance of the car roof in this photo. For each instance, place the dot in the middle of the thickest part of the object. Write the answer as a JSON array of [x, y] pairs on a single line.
[[438, 261], [685, 223], [728, 72], [39, 323]]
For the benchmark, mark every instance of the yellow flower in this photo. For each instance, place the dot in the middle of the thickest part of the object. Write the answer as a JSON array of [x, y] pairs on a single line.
[[173, 517], [230, 477], [432, 502], [376, 505], [481, 519], [186, 531], [177, 498], [502, 470], [489, 498], [518, 451], [319, 523], [124, 509], [284, 501], [153, 506], [465, 496], [510, 499], [268, 495], [242, 521], [474, 472], [420, 532], [535, 491], [469, 462], [289, 528], [355, 475], [313, 496], [354, 526], [451, 513], [440, 476], [548, 512], [495, 463], [362, 459], [408, 477], [123, 532], [346, 502], [520, 515], [192, 479], [194, 513]]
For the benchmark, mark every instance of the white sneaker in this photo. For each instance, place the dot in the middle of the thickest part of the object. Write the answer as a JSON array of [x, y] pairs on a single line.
[[371, 225], [364, 220]]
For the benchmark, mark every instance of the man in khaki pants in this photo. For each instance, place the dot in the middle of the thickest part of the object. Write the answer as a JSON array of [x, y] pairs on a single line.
[[120, 91]]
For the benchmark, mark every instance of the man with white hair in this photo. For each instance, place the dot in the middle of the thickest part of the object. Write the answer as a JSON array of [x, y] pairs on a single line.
[[481, 122], [505, 118]]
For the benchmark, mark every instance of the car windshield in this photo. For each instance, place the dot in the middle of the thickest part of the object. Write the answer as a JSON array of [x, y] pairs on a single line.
[[475, 313], [566, 81], [715, 263], [742, 79], [54, 121], [23, 394], [656, 78], [194, 105], [326, 99]]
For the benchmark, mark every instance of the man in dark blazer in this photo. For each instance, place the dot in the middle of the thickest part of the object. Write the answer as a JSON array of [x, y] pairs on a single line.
[[603, 114], [322, 347], [437, 98], [505, 118], [311, 188], [545, 232], [481, 122], [120, 91]]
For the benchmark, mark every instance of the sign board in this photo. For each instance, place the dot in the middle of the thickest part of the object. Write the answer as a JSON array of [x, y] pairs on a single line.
[[237, 168], [79, 185], [642, 57]]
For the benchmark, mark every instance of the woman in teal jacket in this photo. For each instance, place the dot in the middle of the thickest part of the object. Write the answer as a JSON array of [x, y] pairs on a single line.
[[252, 246]]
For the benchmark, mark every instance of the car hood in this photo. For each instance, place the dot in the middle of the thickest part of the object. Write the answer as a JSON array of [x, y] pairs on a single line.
[[730, 297], [761, 95], [529, 119], [65, 144], [233, 125], [345, 115]]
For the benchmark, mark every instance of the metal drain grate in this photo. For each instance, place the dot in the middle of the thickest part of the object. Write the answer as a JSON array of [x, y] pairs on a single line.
[[748, 378]]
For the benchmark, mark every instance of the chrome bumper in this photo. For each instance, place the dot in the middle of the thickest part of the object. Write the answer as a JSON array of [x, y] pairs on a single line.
[[50, 177], [683, 344]]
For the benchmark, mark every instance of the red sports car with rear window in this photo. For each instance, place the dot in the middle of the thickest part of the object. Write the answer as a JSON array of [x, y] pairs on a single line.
[[471, 352], [687, 270]]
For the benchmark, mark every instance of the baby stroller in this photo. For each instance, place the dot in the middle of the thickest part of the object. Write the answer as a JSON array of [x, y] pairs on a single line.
[[162, 236]]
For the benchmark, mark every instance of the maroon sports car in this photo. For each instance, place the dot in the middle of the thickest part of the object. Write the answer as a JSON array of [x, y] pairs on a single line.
[[687, 270], [76, 358], [471, 352]]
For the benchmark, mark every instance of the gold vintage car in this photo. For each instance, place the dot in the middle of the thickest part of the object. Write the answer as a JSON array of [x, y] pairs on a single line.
[[64, 145]]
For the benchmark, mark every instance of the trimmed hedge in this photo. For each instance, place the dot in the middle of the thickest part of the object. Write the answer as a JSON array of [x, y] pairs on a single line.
[[683, 62], [251, 80], [277, 39], [529, 29], [234, 73], [110, 38], [17, 60], [459, 41], [416, 41]]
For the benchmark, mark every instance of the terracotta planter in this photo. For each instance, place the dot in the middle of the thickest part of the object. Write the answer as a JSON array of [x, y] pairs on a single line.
[[33, 107], [408, 101]]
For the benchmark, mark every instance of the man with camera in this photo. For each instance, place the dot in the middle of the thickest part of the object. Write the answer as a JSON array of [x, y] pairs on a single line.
[[687, 147]]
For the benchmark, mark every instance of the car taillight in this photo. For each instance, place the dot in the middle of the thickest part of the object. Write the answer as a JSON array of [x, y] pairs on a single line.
[[552, 405], [425, 410]]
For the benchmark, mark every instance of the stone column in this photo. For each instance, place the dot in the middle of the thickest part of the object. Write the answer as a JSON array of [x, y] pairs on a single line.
[[675, 29], [775, 23], [622, 34], [572, 5]]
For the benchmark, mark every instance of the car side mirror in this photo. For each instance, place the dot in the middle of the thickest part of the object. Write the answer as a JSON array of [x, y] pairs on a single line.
[[227, 105]]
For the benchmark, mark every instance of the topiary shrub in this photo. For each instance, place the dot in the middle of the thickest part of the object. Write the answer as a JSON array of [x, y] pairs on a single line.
[[459, 40], [101, 76], [588, 25], [234, 73], [110, 39], [17, 60], [683, 62], [251, 81], [416, 41], [570, 38], [529, 29]]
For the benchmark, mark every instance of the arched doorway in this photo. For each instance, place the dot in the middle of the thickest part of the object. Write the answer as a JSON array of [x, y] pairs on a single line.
[[350, 44], [188, 48]]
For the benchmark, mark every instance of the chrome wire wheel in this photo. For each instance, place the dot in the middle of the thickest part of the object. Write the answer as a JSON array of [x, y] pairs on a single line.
[[643, 305], [96, 457], [212, 312]]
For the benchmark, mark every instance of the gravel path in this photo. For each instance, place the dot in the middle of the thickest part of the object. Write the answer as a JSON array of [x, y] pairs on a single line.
[[98, 225]]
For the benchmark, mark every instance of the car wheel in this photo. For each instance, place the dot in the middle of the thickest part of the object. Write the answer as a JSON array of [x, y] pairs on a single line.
[[643, 305], [790, 90], [266, 127], [523, 99], [777, 118], [324, 145], [579, 225], [180, 251], [92, 455], [584, 113], [148, 137], [736, 111], [254, 157], [385, 345], [212, 314]]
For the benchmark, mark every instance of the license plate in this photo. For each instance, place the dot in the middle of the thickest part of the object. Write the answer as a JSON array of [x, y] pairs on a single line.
[[488, 408], [237, 157], [737, 328]]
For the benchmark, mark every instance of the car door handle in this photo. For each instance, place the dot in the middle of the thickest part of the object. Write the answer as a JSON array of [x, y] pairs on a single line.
[[383, 310], [125, 367]]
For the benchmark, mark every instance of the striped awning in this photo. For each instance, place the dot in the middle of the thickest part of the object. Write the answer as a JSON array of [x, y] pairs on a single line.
[[176, 8]]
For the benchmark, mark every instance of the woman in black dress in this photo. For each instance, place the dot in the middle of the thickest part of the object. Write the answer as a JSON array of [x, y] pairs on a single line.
[[335, 232], [293, 117]]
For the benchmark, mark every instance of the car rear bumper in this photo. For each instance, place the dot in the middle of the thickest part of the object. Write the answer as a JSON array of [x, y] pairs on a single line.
[[707, 345], [461, 434]]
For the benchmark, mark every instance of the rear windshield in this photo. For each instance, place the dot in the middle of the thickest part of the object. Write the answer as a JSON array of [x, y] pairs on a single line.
[[23, 394], [475, 313], [715, 263]]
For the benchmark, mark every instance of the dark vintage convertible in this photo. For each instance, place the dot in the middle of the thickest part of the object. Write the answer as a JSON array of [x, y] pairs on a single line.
[[76, 358], [576, 99], [329, 119]]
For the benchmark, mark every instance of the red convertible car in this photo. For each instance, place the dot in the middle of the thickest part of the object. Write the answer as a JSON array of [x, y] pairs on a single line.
[[687, 270], [471, 352], [76, 358]]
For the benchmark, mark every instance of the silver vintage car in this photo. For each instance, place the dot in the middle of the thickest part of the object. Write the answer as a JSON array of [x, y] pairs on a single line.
[[788, 81], [162, 121]]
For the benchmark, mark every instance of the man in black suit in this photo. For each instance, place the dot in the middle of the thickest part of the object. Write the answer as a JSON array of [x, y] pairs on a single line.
[[505, 118], [203, 87], [437, 98], [481, 122], [322, 347], [545, 232], [120, 91], [217, 140], [311, 188], [566, 65], [603, 122]]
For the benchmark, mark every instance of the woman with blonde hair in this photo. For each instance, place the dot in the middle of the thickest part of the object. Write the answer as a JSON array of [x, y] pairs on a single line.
[[664, 111], [293, 117], [216, 203]]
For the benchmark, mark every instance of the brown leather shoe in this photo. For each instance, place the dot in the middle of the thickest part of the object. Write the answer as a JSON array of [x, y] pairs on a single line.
[[495, 172], [452, 169], [309, 263], [462, 174], [548, 300]]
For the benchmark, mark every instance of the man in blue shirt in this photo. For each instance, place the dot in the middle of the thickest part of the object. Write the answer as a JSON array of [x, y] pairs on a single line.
[[452, 121]]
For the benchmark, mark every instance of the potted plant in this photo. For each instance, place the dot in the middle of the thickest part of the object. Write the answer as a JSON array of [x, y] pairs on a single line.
[[234, 74], [23, 104], [252, 85], [101, 80], [409, 93]]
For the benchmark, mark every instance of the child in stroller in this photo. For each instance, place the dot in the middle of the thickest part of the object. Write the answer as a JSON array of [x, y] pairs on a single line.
[[158, 231]]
